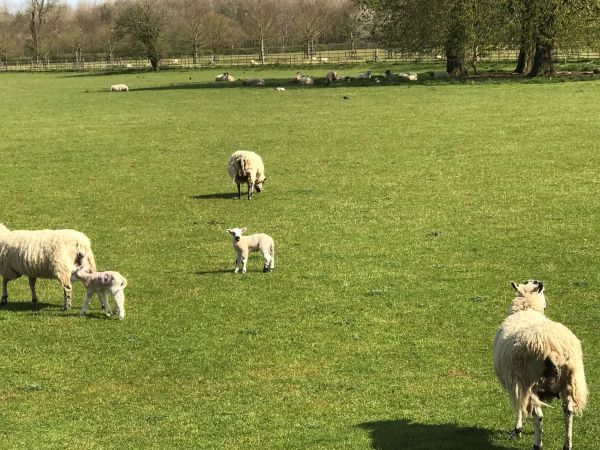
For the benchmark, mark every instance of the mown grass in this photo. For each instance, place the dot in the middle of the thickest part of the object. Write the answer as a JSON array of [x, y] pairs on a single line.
[[400, 215]]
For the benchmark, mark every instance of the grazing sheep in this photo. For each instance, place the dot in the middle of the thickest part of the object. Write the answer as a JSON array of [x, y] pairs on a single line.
[[364, 75], [119, 88], [225, 77], [331, 77], [246, 244], [100, 283], [306, 80], [43, 254], [296, 78], [254, 82], [246, 166], [537, 359]]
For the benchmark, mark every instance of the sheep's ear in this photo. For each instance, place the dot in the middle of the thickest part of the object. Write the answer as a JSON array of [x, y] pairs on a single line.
[[516, 288], [229, 231], [540, 287], [243, 229]]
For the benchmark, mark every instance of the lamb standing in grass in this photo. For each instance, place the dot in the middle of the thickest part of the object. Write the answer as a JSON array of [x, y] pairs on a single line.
[[537, 359], [119, 88], [100, 283], [248, 167], [256, 242], [43, 254]]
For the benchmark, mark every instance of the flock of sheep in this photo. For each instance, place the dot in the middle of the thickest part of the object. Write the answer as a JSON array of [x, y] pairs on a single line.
[[535, 359]]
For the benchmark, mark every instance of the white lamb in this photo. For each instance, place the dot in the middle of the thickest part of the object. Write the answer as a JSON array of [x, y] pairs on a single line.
[[248, 167], [306, 80], [254, 82], [296, 78], [331, 77], [246, 244], [364, 75], [119, 88], [100, 283], [43, 254], [537, 359], [225, 77]]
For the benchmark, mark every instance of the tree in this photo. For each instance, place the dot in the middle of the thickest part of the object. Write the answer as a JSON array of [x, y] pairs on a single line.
[[311, 18], [38, 12], [189, 18], [259, 16], [143, 21]]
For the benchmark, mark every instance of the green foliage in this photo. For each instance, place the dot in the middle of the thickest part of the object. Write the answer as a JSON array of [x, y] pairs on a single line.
[[400, 215]]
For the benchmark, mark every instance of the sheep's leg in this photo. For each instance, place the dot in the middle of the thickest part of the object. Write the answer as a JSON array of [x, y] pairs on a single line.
[[272, 265], [267, 257], [32, 281], [120, 301], [250, 189], [239, 190], [86, 303], [244, 261], [516, 433], [237, 263], [67, 294], [4, 291], [568, 416], [538, 427], [104, 302]]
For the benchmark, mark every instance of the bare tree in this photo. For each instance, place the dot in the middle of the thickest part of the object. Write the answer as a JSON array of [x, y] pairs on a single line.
[[38, 11], [259, 17], [311, 18], [190, 22]]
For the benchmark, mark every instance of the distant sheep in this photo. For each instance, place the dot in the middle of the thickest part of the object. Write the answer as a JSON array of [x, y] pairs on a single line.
[[254, 82], [296, 78], [100, 283], [306, 80], [225, 77], [409, 76], [441, 75], [43, 254], [119, 88], [331, 77], [248, 167], [364, 75], [243, 245], [536, 360]]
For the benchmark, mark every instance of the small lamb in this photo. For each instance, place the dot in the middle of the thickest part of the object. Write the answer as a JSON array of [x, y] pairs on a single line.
[[119, 88], [246, 244], [101, 283]]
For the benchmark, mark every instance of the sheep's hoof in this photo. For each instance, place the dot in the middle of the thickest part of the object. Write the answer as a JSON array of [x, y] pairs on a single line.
[[516, 433], [265, 269], [34, 300], [536, 447]]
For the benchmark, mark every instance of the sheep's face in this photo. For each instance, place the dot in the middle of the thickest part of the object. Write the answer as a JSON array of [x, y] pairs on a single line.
[[532, 289], [259, 185], [236, 233]]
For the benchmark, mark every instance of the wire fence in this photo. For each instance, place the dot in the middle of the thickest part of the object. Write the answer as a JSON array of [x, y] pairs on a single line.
[[246, 57]]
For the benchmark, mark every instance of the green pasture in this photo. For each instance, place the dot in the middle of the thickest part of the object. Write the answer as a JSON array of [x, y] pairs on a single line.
[[400, 214]]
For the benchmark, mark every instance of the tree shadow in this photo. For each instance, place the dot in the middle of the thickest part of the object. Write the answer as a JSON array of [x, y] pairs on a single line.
[[214, 196], [404, 434], [212, 272], [25, 305]]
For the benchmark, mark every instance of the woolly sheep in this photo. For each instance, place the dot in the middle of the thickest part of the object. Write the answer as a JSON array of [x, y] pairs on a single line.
[[296, 78], [306, 80], [537, 359], [119, 88], [246, 166], [100, 283], [225, 77], [331, 77], [409, 76], [246, 244], [364, 75], [254, 82], [43, 254], [441, 75]]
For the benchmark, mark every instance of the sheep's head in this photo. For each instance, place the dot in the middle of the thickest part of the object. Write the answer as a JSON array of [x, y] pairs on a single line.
[[236, 233], [259, 184], [78, 272], [529, 295]]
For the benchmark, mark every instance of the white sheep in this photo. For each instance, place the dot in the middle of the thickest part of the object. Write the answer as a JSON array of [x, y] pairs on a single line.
[[296, 78], [246, 166], [409, 76], [306, 80], [254, 82], [100, 283], [225, 77], [246, 244], [537, 359], [119, 88], [364, 75], [43, 254]]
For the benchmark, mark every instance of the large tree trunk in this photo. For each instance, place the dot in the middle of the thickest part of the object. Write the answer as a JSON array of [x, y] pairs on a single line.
[[455, 60], [543, 60], [524, 60]]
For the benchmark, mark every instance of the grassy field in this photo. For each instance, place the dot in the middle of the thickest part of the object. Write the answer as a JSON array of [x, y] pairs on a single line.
[[400, 215]]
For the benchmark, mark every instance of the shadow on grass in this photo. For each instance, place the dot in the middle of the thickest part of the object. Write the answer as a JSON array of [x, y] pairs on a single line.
[[212, 272], [25, 305], [214, 196], [404, 434]]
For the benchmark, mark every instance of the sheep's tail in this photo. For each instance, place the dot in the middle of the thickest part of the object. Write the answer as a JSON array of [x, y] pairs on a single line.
[[123, 282], [577, 386]]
